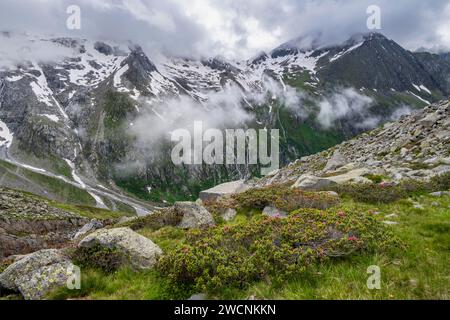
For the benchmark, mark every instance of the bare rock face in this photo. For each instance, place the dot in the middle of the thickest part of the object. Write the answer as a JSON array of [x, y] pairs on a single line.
[[194, 215], [37, 274], [224, 189], [142, 252]]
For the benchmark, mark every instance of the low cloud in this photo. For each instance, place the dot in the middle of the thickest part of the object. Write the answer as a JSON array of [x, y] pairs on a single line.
[[20, 48], [222, 110], [346, 103], [403, 110]]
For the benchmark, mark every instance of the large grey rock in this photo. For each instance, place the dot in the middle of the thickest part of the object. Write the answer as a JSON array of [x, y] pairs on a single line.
[[93, 225], [194, 215], [429, 120], [337, 160], [142, 252], [224, 189], [355, 176], [37, 274], [310, 182]]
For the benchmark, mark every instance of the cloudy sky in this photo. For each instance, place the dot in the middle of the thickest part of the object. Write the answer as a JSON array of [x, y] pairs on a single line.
[[231, 28]]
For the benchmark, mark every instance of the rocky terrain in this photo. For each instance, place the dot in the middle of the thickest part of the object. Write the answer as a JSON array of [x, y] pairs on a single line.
[[28, 224], [414, 147]]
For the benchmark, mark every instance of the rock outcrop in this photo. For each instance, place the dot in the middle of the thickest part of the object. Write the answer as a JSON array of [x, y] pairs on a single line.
[[414, 147], [194, 215], [141, 251], [37, 274], [28, 224], [224, 189]]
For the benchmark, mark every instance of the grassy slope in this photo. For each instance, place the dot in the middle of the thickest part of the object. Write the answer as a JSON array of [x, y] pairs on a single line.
[[21, 178], [419, 271]]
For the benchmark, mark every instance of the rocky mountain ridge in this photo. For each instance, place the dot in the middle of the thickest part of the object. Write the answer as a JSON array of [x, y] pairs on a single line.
[[415, 147]]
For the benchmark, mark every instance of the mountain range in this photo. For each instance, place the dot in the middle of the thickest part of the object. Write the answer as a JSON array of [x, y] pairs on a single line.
[[87, 123]]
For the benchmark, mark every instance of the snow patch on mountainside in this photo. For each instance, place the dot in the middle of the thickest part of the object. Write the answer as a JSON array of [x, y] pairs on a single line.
[[93, 67], [420, 98], [118, 79], [346, 51], [6, 136]]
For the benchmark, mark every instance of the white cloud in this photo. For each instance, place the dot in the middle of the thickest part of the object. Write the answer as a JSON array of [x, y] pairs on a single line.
[[230, 28], [346, 103]]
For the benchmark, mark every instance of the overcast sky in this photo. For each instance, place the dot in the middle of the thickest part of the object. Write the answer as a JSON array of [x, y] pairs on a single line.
[[232, 28]]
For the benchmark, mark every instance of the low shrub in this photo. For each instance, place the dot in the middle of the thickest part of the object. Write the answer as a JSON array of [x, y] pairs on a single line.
[[375, 178], [98, 257], [370, 193], [284, 198], [263, 247], [379, 193]]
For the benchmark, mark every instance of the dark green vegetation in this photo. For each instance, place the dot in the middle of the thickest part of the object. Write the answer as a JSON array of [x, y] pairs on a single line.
[[117, 142], [386, 193], [283, 198], [312, 254]]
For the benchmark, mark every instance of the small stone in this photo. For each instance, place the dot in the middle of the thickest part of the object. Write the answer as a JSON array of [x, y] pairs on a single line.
[[390, 223], [274, 212], [198, 296], [413, 283]]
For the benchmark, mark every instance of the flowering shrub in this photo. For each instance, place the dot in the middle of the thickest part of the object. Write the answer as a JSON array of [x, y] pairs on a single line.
[[264, 247], [391, 192], [284, 198], [370, 193]]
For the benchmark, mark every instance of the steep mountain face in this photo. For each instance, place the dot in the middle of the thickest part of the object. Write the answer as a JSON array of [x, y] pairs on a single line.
[[375, 62], [71, 117]]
